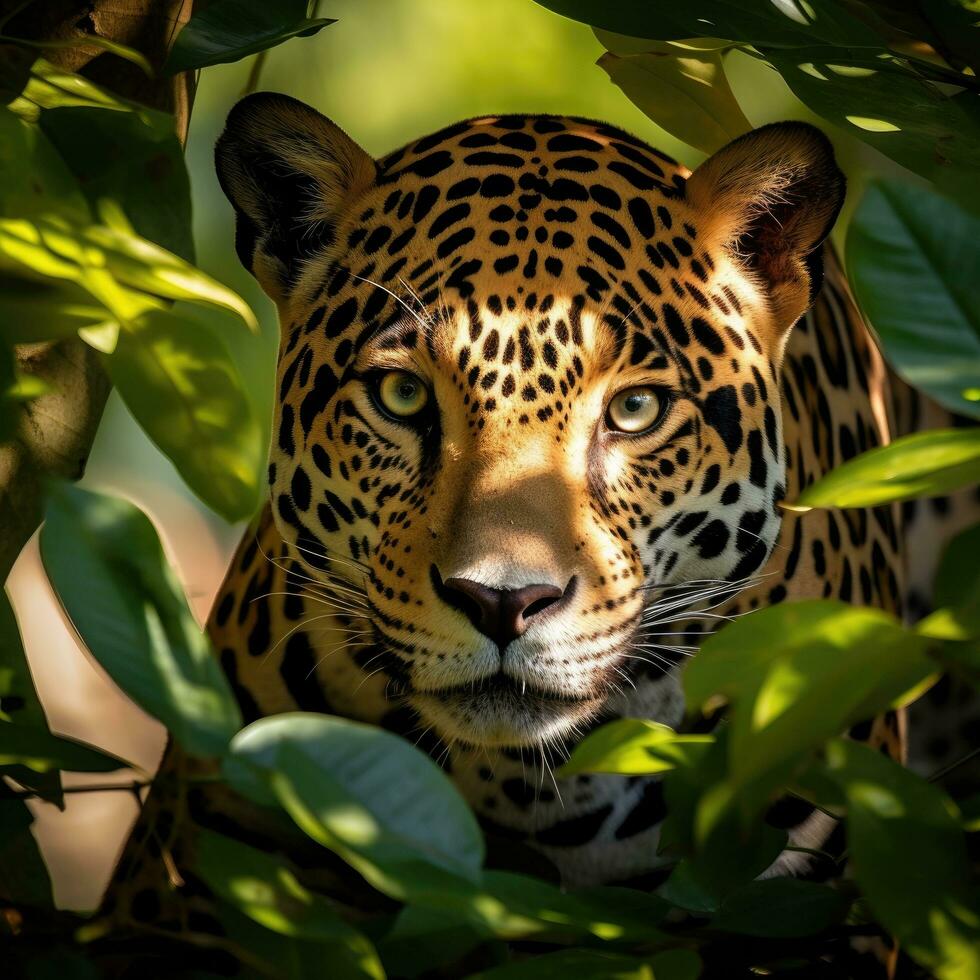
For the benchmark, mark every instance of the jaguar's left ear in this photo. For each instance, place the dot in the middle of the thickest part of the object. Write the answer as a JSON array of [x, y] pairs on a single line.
[[770, 198]]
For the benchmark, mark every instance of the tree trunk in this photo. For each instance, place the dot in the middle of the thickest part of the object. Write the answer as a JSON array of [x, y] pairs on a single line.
[[55, 432]]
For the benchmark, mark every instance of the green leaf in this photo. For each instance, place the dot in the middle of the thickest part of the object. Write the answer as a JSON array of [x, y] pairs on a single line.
[[781, 908], [271, 954], [38, 749], [36, 180], [132, 158], [228, 30], [911, 258], [959, 573], [924, 464], [372, 797], [683, 90], [50, 87], [514, 905], [180, 382], [956, 591], [926, 898], [425, 938], [797, 674], [839, 61], [721, 851], [78, 147], [887, 105], [31, 312], [106, 564], [590, 964], [267, 891], [780, 24], [92, 40], [970, 809], [23, 875], [631, 747], [124, 272]]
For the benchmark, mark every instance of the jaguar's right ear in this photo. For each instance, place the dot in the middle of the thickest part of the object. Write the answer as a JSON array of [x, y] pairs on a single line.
[[290, 173]]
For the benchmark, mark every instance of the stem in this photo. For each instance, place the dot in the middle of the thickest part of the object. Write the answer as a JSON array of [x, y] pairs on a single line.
[[946, 770], [254, 73], [132, 786]]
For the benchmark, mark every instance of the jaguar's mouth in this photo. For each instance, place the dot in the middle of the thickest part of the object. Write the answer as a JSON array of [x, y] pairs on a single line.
[[502, 687], [500, 710]]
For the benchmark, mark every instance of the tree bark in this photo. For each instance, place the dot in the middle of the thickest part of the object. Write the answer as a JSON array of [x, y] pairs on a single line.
[[54, 433]]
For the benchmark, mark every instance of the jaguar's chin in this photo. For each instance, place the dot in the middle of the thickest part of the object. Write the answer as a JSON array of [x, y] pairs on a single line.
[[500, 711]]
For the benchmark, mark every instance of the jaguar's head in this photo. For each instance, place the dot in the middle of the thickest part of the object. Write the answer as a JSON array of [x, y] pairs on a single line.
[[528, 379]]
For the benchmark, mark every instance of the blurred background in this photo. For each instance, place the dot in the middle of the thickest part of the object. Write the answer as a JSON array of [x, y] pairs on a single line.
[[386, 72]]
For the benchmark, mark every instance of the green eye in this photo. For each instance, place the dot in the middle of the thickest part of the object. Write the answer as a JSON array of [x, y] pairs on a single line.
[[402, 394], [635, 409]]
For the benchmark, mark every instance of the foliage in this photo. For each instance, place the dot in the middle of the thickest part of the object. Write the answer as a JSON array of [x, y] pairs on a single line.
[[87, 249], [911, 260], [904, 82], [103, 557], [228, 30], [95, 242]]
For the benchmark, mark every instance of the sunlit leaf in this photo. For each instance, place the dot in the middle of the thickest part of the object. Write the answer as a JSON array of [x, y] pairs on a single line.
[[38, 749], [106, 564], [632, 747], [900, 114], [50, 87], [124, 272], [177, 377], [515, 905], [838, 60], [385, 807], [509, 906], [93, 40], [924, 464], [926, 898], [781, 907], [267, 891], [227, 30], [912, 259], [797, 674], [132, 158], [684, 91]]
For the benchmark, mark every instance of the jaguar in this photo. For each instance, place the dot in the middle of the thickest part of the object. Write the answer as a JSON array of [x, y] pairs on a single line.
[[541, 395]]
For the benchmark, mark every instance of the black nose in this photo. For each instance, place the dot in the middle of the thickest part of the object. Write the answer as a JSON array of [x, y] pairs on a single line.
[[501, 614]]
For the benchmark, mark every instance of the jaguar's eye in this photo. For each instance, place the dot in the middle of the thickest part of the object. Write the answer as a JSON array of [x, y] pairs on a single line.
[[402, 394], [635, 409]]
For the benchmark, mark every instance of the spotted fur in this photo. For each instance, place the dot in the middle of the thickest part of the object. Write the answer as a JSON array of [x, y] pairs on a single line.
[[527, 268]]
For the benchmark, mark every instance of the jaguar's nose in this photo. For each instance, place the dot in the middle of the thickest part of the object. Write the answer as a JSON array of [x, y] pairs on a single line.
[[501, 614]]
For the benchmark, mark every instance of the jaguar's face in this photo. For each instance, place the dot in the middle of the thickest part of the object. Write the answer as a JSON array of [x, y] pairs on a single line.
[[528, 380]]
